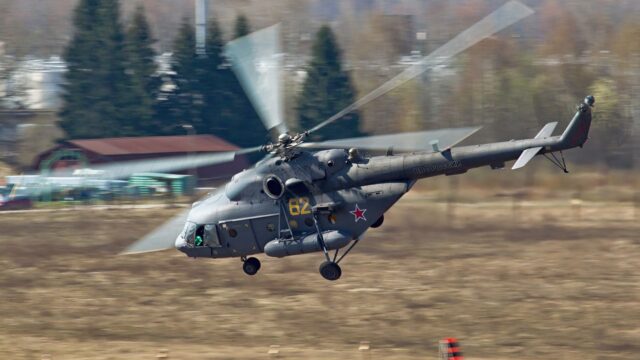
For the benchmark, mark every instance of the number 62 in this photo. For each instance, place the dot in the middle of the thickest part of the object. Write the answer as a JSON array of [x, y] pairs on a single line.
[[299, 206]]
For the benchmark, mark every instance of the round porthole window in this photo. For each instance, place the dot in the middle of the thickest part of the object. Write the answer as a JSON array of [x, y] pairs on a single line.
[[233, 232], [273, 187]]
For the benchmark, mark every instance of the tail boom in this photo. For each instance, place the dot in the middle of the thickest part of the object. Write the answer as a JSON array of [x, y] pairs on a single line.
[[458, 160]]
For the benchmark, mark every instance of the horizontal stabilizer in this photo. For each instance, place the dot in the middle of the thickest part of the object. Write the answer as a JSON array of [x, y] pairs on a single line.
[[431, 141], [525, 157], [547, 130], [528, 154]]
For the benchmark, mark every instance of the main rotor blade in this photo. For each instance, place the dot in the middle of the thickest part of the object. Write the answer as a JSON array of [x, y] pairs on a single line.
[[431, 141], [162, 238], [505, 16], [256, 59], [120, 170]]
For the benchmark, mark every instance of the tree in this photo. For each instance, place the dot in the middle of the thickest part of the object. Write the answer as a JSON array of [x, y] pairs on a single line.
[[206, 93], [142, 69], [327, 90], [97, 102], [215, 84], [76, 117], [242, 26], [184, 103]]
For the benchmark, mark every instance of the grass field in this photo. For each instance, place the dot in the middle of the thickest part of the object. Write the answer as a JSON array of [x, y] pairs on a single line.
[[537, 279]]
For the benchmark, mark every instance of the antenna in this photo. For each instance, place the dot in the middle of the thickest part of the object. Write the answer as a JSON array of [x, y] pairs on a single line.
[[201, 26]]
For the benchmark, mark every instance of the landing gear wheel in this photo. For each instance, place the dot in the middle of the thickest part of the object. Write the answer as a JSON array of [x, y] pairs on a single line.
[[378, 222], [330, 270], [251, 266]]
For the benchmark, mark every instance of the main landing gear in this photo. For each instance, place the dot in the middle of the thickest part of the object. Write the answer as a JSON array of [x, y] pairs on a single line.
[[250, 265], [330, 269]]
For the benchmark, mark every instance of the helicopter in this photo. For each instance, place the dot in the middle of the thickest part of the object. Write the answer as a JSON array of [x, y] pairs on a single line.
[[322, 197]]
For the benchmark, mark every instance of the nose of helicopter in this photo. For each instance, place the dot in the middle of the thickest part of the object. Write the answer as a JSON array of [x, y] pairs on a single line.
[[180, 243]]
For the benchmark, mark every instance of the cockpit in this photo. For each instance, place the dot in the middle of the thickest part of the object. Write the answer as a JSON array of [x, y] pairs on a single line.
[[198, 235]]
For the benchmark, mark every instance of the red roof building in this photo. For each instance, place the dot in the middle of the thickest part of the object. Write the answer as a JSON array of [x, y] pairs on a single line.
[[83, 153]]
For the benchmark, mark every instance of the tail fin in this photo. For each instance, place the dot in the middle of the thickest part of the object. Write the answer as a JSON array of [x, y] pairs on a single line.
[[577, 133]]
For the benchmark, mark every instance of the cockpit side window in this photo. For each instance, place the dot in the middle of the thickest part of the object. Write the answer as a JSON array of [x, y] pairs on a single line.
[[211, 236], [199, 239], [189, 232], [201, 235]]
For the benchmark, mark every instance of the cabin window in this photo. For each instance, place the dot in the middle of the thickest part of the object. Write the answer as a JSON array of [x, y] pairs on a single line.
[[211, 236]]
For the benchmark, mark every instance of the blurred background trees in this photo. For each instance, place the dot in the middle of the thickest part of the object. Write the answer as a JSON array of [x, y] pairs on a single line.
[[512, 84], [141, 67], [326, 90], [93, 72]]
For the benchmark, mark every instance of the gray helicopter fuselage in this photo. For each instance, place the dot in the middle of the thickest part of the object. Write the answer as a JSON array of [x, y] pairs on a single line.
[[281, 205], [246, 218]]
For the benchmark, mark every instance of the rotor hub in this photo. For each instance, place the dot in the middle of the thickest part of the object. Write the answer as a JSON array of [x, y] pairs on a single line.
[[285, 146], [284, 139]]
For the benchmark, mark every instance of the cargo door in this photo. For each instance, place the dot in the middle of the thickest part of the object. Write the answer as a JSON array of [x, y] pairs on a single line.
[[238, 236], [265, 229]]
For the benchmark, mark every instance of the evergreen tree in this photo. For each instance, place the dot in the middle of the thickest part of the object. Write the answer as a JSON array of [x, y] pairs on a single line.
[[215, 84], [119, 106], [183, 104], [242, 26], [77, 118], [327, 90], [206, 93], [142, 70], [97, 102]]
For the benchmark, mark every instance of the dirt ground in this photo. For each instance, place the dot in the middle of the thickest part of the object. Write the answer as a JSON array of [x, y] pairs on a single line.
[[537, 279]]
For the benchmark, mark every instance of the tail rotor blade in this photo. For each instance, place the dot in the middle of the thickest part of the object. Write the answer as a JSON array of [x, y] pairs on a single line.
[[505, 16]]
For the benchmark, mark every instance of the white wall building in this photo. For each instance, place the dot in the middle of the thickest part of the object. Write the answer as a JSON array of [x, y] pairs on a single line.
[[42, 81]]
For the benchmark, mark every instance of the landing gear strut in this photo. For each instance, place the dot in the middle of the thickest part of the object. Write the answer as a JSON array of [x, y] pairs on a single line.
[[250, 265]]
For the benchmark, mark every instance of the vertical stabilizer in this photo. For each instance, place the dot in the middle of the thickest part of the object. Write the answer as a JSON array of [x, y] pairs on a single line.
[[577, 133]]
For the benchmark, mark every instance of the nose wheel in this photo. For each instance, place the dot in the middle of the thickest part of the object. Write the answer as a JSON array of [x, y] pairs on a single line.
[[251, 266], [330, 270]]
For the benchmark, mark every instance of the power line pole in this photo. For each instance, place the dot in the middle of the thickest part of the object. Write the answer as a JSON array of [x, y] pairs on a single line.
[[201, 26]]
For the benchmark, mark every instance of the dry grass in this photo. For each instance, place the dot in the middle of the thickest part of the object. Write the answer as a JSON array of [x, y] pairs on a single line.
[[532, 281]]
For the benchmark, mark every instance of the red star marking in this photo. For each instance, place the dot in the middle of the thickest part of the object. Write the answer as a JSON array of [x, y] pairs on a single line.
[[359, 213]]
